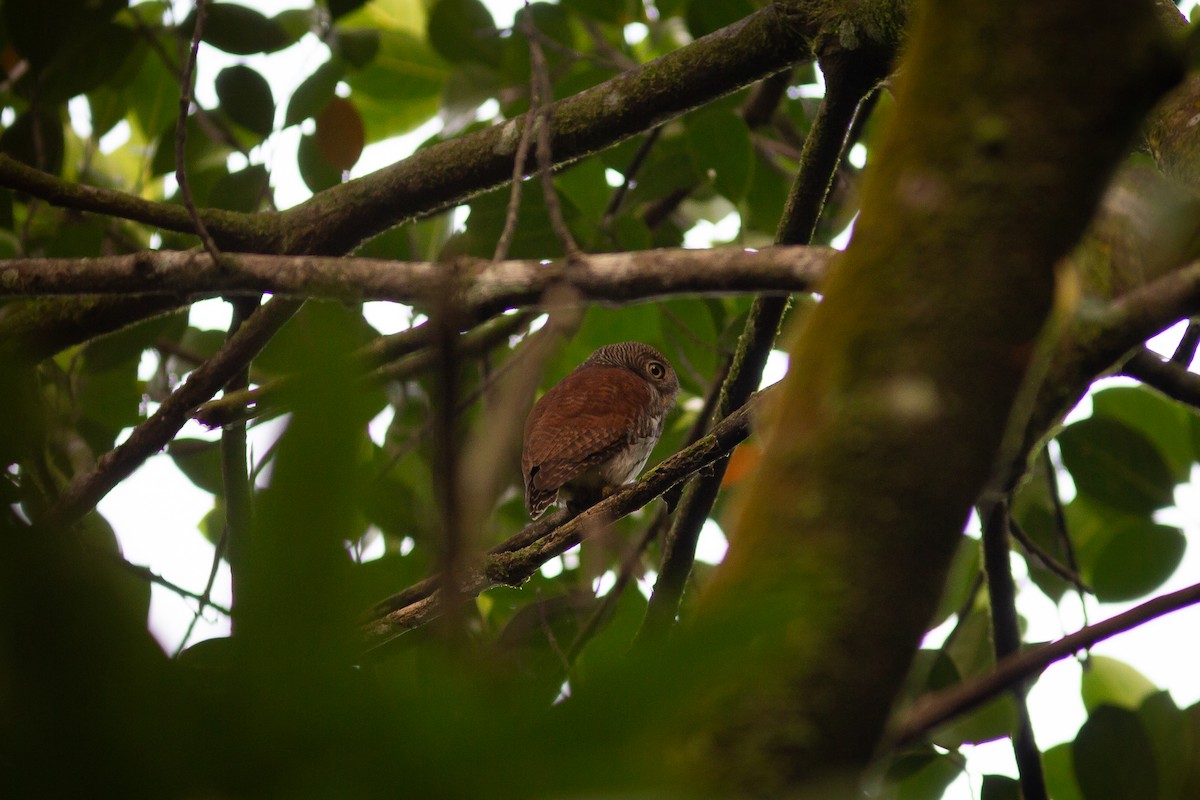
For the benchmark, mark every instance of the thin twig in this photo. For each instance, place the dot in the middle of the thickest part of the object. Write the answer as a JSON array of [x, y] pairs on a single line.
[[1006, 640], [206, 597], [627, 179], [541, 97], [1046, 559], [153, 577], [185, 104], [1060, 528]]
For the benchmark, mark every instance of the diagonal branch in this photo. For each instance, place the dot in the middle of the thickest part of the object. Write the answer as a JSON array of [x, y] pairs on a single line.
[[935, 708], [152, 435]]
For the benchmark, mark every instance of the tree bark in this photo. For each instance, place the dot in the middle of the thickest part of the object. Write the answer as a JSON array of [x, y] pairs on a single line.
[[1004, 136]]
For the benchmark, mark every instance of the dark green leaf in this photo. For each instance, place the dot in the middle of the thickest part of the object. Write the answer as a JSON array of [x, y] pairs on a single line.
[[243, 191], [42, 29], [1113, 756], [1116, 465], [720, 146], [239, 30], [314, 93], [615, 12], [463, 30], [36, 140], [703, 16], [91, 57], [357, 48], [318, 174], [1171, 736], [1139, 557], [338, 8], [1000, 787], [200, 461], [246, 98]]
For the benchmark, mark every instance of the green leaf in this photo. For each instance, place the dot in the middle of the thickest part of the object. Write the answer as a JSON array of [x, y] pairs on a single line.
[[1059, 769], [1000, 787], [703, 16], [36, 139], [239, 30], [90, 58], [614, 12], [1109, 682], [338, 8], [200, 461], [1139, 557], [1116, 465], [1171, 736], [1190, 784], [242, 191], [40, 30], [153, 92], [357, 47], [318, 174], [1113, 756], [246, 98], [463, 30], [720, 146], [115, 349], [922, 775], [401, 88], [1166, 423], [314, 92]]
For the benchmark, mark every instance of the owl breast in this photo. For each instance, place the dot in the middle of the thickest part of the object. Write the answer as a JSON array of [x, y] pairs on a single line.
[[622, 468]]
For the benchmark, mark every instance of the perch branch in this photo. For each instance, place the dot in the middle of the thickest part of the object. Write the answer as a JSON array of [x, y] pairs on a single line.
[[511, 565]]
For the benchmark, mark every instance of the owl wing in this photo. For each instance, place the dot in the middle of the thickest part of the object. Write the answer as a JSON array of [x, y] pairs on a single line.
[[582, 421]]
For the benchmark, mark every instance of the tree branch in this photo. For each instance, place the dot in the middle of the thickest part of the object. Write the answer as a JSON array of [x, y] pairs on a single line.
[[1173, 380], [487, 287], [152, 435], [231, 230], [934, 708]]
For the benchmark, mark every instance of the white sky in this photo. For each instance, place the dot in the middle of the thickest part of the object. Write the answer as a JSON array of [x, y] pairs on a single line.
[[155, 512]]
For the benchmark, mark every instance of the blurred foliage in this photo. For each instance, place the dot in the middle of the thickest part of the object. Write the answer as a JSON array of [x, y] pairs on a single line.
[[289, 706]]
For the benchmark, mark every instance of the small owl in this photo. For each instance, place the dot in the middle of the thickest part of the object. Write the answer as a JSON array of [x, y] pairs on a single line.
[[594, 429]]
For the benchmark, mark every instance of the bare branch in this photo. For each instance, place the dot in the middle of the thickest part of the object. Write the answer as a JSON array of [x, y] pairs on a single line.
[[935, 708], [488, 288]]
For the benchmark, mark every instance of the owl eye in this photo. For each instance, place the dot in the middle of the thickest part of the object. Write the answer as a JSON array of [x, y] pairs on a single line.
[[656, 369]]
